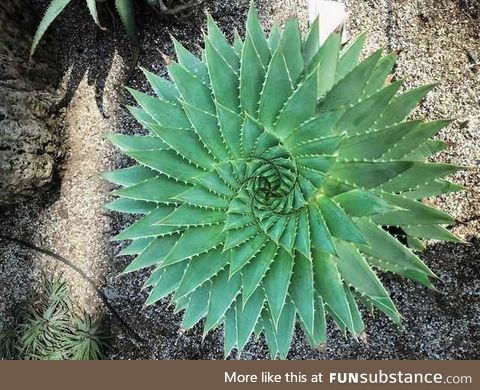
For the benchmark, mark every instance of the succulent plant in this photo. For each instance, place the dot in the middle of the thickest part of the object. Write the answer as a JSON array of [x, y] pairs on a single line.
[[125, 10], [269, 185], [49, 329]]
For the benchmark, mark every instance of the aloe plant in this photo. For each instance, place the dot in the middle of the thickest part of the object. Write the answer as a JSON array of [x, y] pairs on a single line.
[[268, 184]]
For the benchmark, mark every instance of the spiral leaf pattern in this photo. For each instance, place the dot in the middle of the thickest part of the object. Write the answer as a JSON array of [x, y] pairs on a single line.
[[273, 175]]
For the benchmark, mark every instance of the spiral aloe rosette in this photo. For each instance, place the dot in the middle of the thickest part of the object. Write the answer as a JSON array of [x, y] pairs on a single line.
[[266, 188]]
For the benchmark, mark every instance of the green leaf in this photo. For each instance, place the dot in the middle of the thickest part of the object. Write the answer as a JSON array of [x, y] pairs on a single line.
[[379, 74], [433, 232], [252, 76], [383, 246], [357, 273], [255, 32], [299, 107], [349, 89], [201, 197], [363, 115], [221, 44], [153, 254], [276, 90], [242, 254], [360, 203], [369, 174], [327, 57], [275, 37], [410, 212], [401, 106], [419, 173], [92, 7], [320, 234], [128, 143], [285, 328], [312, 42], [187, 143], [276, 282], [197, 306], [129, 176], [338, 222], [302, 291], [206, 126], [321, 126], [54, 9], [192, 89], [247, 316], [230, 329], [254, 271], [416, 137], [292, 48], [199, 270], [186, 215], [163, 88], [330, 287], [195, 241], [350, 56], [157, 189], [146, 227], [223, 294], [375, 144], [164, 112], [169, 281], [167, 162], [136, 247], [191, 62], [126, 12]]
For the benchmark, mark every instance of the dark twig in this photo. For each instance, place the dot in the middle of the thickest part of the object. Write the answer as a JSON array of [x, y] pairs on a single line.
[[82, 274], [179, 8]]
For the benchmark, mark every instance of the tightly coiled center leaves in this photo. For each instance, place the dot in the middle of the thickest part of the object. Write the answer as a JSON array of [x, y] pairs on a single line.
[[272, 168]]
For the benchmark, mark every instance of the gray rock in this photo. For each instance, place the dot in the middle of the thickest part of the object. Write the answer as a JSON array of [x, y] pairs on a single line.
[[28, 144]]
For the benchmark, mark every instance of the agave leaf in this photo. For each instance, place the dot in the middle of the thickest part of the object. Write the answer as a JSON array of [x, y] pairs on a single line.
[[401, 106], [276, 89], [247, 316], [223, 294], [299, 108], [199, 270], [54, 9], [349, 89], [383, 245], [195, 241], [126, 11], [164, 88], [190, 62], [302, 291], [197, 306], [357, 273], [330, 287], [292, 48], [254, 271], [276, 283], [350, 56], [146, 227]]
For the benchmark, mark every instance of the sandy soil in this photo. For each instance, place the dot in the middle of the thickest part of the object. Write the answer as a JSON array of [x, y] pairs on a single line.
[[436, 41]]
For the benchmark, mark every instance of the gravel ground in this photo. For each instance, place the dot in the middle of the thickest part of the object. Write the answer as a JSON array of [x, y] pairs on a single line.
[[436, 40]]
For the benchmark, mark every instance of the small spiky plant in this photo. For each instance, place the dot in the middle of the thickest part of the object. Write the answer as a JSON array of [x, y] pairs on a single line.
[[48, 329], [270, 180]]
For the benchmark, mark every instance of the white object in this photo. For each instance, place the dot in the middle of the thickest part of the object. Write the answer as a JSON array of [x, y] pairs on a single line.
[[332, 16]]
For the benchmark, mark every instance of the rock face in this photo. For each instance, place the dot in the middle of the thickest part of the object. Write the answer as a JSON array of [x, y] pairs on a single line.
[[28, 129]]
